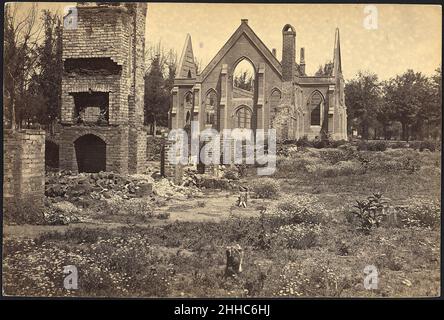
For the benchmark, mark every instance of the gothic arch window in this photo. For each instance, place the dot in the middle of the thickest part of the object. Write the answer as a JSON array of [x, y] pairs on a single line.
[[211, 108], [242, 118], [316, 104], [275, 99], [188, 106], [243, 75]]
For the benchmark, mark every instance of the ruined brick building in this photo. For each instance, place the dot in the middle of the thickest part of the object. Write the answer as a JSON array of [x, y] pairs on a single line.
[[280, 96], [103, 88]]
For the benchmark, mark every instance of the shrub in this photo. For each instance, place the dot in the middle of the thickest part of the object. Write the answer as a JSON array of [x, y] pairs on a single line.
[[131, 207], [337, 143], [342, 168], [362, 145], [428, 144], [377, 146], [372, 145], [319, 144], [421, 213], [265, 188], [296, 236], [425, 145], [398, 145], [311, 278], [294, 210], [303, 142]]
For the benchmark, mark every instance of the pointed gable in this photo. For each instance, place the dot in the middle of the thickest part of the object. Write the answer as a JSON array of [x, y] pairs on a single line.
[[337, 66], [187, 67], [243, 30]]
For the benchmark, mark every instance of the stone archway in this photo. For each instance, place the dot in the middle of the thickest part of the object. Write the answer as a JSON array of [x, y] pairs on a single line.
[[90, 153]]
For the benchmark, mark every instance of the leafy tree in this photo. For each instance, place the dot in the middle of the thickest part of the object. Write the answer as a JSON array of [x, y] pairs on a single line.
[[50, 65], [155, 107], [408, 96], [159, 81], [363, 96], [244, 80]]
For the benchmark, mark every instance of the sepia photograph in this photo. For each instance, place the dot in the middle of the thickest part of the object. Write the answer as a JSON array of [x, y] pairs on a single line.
[[221, 150]]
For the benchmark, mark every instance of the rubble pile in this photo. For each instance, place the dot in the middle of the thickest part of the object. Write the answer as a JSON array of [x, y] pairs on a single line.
[[61, 213], [105, 185], [66, 184]]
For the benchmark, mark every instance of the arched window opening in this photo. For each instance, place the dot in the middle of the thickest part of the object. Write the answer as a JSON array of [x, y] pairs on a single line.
[[316, 106], [188, 107], [211, 108], [243, 76], [243, 118]]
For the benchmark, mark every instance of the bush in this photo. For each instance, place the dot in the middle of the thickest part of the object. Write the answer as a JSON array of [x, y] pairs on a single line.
[[265, 188], [425, 145], [421, 213], [362, 145], [428, 144], [296, 236], [293, 210], [342, 168], [398, 145], [337, 143], [372, 145], [132, 207], [378, 146], [303, 142]]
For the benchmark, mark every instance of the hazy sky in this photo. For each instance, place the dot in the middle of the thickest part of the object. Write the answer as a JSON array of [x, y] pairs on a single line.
[[408, 36]]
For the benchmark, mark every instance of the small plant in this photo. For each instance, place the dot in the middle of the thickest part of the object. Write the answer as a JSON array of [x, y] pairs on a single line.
[[370, 212]]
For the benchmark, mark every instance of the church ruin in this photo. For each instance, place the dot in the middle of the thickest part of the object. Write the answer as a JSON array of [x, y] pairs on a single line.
[[280, 95]]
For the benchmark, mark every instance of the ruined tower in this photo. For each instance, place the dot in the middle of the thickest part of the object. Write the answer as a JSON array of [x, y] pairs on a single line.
[[103, 88]]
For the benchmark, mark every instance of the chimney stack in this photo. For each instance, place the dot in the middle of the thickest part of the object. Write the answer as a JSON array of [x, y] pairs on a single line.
[[302, 62], [273, 51], [288, 52]]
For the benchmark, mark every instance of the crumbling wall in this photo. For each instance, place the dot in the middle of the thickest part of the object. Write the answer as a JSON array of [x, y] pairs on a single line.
[[103, 54], [23, 175]]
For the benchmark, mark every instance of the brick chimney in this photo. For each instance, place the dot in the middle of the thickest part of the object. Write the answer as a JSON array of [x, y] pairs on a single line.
[[273, 51], [288, 52]]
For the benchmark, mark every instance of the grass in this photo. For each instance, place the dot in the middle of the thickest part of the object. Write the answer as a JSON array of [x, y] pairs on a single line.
[[303, 243]]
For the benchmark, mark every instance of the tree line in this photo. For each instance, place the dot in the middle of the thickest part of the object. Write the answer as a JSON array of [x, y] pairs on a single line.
[[406, 107]]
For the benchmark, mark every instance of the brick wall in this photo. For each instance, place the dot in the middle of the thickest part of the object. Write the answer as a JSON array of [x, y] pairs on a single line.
[[116, 32], [24, 175]]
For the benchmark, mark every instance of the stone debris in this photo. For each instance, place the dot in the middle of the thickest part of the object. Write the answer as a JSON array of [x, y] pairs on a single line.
[[105, 185], [61, 213]]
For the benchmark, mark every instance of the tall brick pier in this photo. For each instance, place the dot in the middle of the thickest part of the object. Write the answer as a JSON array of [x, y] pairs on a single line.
[[103, 88]]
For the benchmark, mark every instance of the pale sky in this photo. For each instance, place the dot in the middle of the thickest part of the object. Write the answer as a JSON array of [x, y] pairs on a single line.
[[407, 37]]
